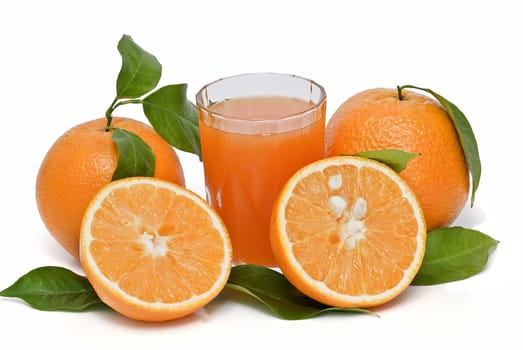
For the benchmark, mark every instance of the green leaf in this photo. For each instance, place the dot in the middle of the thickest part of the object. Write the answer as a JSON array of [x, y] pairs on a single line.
[[174, 117], [140, 71], [466, 137], [52, 288], [394, 158], [452, 254], [135, 157], [277, 294]]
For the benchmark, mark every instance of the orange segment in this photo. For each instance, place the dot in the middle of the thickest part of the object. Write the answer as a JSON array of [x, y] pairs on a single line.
[[153, 250], [348, 232]]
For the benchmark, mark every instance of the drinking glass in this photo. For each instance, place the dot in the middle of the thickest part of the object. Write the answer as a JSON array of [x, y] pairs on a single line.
[[256, 130]]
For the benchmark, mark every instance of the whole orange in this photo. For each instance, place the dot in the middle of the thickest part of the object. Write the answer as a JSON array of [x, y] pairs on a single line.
[[377, 119], [80, 163]]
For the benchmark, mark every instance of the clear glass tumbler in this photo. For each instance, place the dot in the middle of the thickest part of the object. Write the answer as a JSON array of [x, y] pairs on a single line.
[[256, 131]]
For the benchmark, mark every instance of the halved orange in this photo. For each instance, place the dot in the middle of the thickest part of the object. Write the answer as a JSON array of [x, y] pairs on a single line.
[[154, 250], [348, 232]]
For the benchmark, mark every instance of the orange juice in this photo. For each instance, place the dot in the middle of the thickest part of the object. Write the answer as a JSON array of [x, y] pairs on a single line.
[[249, 155]]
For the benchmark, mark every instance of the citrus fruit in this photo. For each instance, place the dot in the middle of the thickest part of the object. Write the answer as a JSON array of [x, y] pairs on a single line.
[[153, 250], [79, 163], [377, 119], [348, 232]]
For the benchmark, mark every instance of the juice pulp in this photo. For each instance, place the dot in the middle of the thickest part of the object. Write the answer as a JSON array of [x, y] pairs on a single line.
[[245, 168]]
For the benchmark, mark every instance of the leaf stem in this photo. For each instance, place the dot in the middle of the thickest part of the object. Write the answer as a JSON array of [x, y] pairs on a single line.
[[129, 101], [115, 104]]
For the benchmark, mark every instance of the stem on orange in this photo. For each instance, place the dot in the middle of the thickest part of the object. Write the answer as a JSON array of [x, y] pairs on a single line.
[[109, 114], [115, 104], [400, 96]]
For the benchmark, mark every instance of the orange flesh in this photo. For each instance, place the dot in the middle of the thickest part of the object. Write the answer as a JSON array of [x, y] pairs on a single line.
[[156, 253], [369, 265]]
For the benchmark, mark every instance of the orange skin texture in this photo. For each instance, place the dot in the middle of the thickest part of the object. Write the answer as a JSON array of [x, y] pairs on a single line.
[[79, 163], [376, 119]]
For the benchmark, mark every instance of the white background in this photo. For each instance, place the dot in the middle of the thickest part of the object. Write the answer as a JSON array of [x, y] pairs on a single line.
[[58, 67]]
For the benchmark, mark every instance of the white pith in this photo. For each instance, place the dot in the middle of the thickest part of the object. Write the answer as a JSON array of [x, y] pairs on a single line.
[[351, 225], [154, 244]]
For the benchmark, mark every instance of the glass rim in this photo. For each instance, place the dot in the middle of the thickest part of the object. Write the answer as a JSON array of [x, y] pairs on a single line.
[[321, 99]]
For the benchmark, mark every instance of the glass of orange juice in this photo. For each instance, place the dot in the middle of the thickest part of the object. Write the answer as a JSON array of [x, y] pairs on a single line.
[[256, 130]]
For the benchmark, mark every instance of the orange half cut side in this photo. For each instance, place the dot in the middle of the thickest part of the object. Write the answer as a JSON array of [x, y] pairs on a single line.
[[348, 232], [153, 250]]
